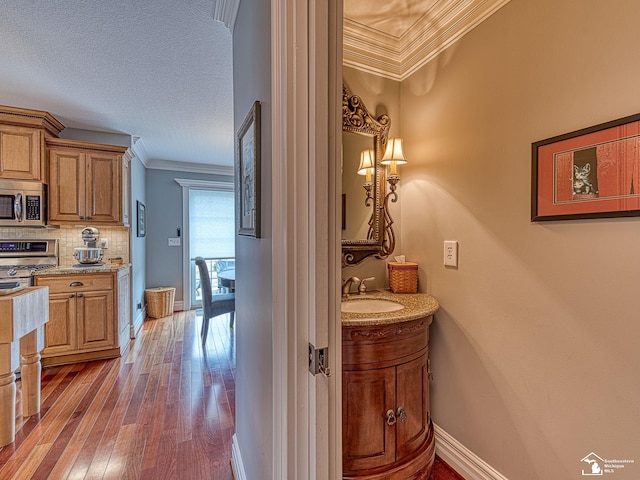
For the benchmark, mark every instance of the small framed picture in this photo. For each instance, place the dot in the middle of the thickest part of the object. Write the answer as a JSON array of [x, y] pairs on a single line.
[[589, 173], [247, 172], [141, 220]]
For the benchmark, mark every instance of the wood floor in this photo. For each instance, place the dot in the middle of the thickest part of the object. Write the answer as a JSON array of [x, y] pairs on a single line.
[[165, 411]]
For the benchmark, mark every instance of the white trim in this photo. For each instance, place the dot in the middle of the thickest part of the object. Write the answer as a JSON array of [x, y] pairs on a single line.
[[397, 57], [187, 184], [205, 184], [280, 240], [236, 460], [189, 167], [226, 12], [463, 460], [178, 306]]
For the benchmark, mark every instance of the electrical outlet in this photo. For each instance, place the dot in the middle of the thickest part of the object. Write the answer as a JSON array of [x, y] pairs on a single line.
[[139, 306], [174, 242], [104, 243], [451, 253]]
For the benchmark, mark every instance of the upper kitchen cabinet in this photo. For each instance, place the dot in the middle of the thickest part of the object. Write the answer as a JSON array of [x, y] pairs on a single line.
[[86, 183], [22, 137]]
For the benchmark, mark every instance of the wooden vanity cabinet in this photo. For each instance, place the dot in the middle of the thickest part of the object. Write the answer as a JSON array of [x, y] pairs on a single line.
[[87, 316], [85, 183], [387, 431]]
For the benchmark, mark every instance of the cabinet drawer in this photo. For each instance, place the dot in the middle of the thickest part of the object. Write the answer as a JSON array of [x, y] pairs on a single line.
[[75, 283]]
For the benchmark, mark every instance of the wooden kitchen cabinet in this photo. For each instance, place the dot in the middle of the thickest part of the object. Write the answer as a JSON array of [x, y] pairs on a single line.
[[22, 137], [86, 183], [86, 316], [387, 430]]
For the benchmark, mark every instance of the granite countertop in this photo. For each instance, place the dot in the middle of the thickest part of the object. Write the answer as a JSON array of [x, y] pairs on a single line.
[[416, 305], [106, 268]]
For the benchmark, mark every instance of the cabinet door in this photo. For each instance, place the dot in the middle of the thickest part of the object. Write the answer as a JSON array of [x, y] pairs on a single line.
[[104, 192], [66, 185], [413, 398], [367, 440], [20, 151], [60, 331], [95, 320]]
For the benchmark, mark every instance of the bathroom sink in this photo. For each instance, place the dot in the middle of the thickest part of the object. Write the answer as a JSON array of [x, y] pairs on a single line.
[[370, 305]]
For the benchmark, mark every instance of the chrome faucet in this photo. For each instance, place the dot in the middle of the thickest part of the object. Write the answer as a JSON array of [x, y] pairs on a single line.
[[346, 286], [362, 288]]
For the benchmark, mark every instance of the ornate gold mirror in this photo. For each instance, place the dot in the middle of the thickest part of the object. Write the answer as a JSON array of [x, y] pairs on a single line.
[[366, 225]]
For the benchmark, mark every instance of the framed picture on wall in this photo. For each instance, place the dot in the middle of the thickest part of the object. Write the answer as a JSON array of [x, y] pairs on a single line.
[[589, 173], [141, 219], [247, 172]]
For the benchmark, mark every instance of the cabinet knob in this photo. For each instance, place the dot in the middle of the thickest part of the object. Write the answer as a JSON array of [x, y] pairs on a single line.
[[71, 295], [80, 295], [402, 414], [391, 417]]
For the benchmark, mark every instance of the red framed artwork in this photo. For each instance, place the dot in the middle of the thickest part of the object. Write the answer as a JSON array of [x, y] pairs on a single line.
[[589, 173]]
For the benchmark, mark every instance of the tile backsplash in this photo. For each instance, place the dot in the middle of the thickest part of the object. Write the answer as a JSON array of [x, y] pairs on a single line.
[[71, 237]]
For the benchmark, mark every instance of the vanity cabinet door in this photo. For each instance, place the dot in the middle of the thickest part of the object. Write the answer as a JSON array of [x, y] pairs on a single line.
[[368, 441], [66, 185], [413, 405], [103, 189]]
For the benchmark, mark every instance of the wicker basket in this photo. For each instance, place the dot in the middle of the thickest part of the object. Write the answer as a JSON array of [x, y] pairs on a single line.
[[160, 301], [403, 277]]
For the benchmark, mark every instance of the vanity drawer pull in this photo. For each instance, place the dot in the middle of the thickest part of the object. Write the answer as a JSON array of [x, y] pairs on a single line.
[[76, 284]]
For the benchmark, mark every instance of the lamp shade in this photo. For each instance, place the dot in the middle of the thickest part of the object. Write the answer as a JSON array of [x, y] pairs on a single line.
[[393, 153], [367, 161]]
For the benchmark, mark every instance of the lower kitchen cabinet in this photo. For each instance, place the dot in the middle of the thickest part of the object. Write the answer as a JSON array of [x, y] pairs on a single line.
[[88, 316], [386, 426]]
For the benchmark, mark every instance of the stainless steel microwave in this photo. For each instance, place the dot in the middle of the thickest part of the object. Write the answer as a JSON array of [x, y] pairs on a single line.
[[22, 204]]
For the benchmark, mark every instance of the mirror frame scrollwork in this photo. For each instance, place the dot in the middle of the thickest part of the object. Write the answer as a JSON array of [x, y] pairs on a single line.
[[380, 240]]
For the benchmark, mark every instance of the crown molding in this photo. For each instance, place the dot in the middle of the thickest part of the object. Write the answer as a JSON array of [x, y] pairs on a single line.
[[189, 167], [226, 12], [397, 58]]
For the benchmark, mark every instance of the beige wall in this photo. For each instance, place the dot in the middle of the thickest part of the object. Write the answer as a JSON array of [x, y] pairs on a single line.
[[535, 350]]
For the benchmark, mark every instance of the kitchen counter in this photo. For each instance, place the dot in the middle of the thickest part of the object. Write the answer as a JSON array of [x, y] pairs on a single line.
[[106, 268], [416, 305]]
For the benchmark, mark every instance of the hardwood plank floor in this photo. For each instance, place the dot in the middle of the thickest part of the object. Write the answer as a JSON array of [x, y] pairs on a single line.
[[164, 411]]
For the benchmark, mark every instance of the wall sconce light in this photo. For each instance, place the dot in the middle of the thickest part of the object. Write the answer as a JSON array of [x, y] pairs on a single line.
[[393, 156], [367, 167]]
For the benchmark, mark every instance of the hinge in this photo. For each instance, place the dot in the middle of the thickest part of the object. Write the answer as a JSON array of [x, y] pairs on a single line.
[[319, 360]]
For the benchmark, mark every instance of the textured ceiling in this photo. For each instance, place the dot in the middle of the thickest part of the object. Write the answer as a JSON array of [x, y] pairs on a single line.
[[160, 70]]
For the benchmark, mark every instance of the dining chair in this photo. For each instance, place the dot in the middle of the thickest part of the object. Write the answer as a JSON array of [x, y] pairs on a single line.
[[213, 305]]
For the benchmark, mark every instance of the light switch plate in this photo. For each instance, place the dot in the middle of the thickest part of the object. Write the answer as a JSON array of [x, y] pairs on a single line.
[[174, 242], [451, 253]]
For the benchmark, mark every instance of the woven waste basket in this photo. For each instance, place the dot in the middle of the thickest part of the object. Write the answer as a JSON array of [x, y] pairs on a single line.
[[160, 301], [403, 277]]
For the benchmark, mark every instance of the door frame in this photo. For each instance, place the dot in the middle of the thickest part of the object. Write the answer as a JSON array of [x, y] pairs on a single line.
[[188, 184], [306, 91]]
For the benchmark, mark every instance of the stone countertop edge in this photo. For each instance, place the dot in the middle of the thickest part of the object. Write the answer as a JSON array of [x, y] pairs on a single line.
[[106, 268], [416, 305]]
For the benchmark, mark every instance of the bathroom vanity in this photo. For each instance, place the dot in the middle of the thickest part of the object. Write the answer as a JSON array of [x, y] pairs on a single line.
[[386, 428]]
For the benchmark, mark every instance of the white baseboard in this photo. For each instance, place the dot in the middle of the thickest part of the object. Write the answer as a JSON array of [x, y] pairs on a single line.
[[178, 306], [137, 322], [463, 460], [236, 460]]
